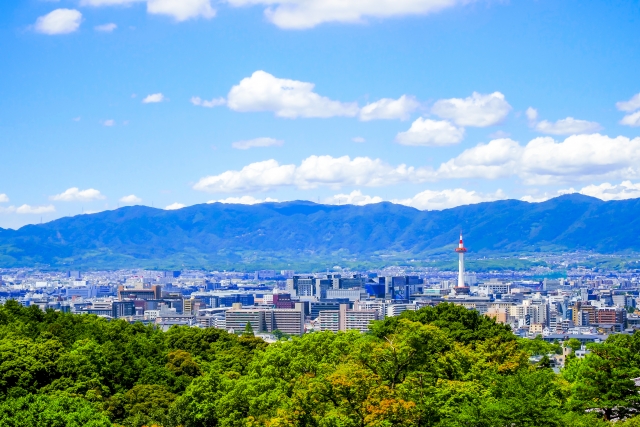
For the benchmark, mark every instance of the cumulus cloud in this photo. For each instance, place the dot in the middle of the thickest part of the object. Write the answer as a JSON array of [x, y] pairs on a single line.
[[388, 108], [444, 199], [286, 98], [27, 209], [109, 2], [215, 102], [74, 194], [302, 14], [542, 161], [314, 171], [109, 123], [631, 105], [431, 133], [607, 191], [174, 206], [546, 161], [532, 115], [153, 98], [568, 126], [59, 21], [358, 139], [180, 10], [477, 110], [257, 142], [105, 28], [4, 198], [354, 198], [130, 199], [254, 177], [631, 119], [244, 200], [496, 159]]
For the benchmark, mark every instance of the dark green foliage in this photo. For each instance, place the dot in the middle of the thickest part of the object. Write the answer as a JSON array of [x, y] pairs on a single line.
[[225, 235], [38, 410], [441, 366], [130, 372]]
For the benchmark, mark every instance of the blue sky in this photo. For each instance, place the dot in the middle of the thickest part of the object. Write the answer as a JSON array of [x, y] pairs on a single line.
[[430, 103]]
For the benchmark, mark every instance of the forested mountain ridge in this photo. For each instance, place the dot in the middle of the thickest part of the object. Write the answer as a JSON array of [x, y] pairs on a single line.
[[214, 235], [440, 366]]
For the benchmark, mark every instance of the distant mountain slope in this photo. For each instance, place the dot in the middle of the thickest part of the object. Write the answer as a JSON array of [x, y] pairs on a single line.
[[226, 234]]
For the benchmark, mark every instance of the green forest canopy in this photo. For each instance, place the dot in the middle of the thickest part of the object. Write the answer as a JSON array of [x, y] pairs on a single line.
[[439, 366]]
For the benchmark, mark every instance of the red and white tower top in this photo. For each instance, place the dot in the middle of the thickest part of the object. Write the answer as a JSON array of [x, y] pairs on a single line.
[[461, 247]]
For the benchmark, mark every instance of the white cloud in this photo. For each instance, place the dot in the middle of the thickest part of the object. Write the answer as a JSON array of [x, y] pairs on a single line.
[[477, 110], [59, 21], [182, 10], [27, 209], [154, 98], [532, 114], [174, 206], [387, 108], [254, 177], [4, 198], [631, 105], [97, 3], [607, 191], [302, 14], [354, 198], [131, 199], [342, 171], [244, 200], [445, 199], [105, 28], [496, 159], [546, 161], [215, 102], [257, 142], [74, 194], [631, 119], [286, 98], [579, 157], [109, 123], [314, 171], [568, 126], [358, 139], [431, 133]]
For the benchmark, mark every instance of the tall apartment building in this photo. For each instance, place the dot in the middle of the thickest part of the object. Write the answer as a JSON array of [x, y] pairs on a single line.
[[301, 286], [289, 321], [397, 309], [611, 316], [346, 319]]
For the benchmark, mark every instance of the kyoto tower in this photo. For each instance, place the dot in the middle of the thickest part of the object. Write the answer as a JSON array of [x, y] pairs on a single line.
[[461, 250]]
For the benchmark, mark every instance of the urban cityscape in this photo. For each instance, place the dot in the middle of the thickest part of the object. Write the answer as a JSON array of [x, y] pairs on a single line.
[[586, 305]]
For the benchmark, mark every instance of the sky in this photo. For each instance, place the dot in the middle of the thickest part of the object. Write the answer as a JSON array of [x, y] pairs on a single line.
[[428, 103]]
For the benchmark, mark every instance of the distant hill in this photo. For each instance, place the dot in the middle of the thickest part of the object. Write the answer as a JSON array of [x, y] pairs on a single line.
[[280, 234]]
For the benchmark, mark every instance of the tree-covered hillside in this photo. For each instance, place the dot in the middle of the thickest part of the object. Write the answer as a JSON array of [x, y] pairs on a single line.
[[277, 235], [442, 366]]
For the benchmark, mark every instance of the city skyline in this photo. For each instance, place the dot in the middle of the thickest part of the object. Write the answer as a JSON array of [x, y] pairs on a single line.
[[170, 104]]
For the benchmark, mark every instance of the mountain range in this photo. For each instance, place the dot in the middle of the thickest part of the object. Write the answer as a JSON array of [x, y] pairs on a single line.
[[278, 235]]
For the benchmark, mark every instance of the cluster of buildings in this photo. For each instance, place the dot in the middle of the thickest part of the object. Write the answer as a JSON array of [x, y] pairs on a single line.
[[587, 305]]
